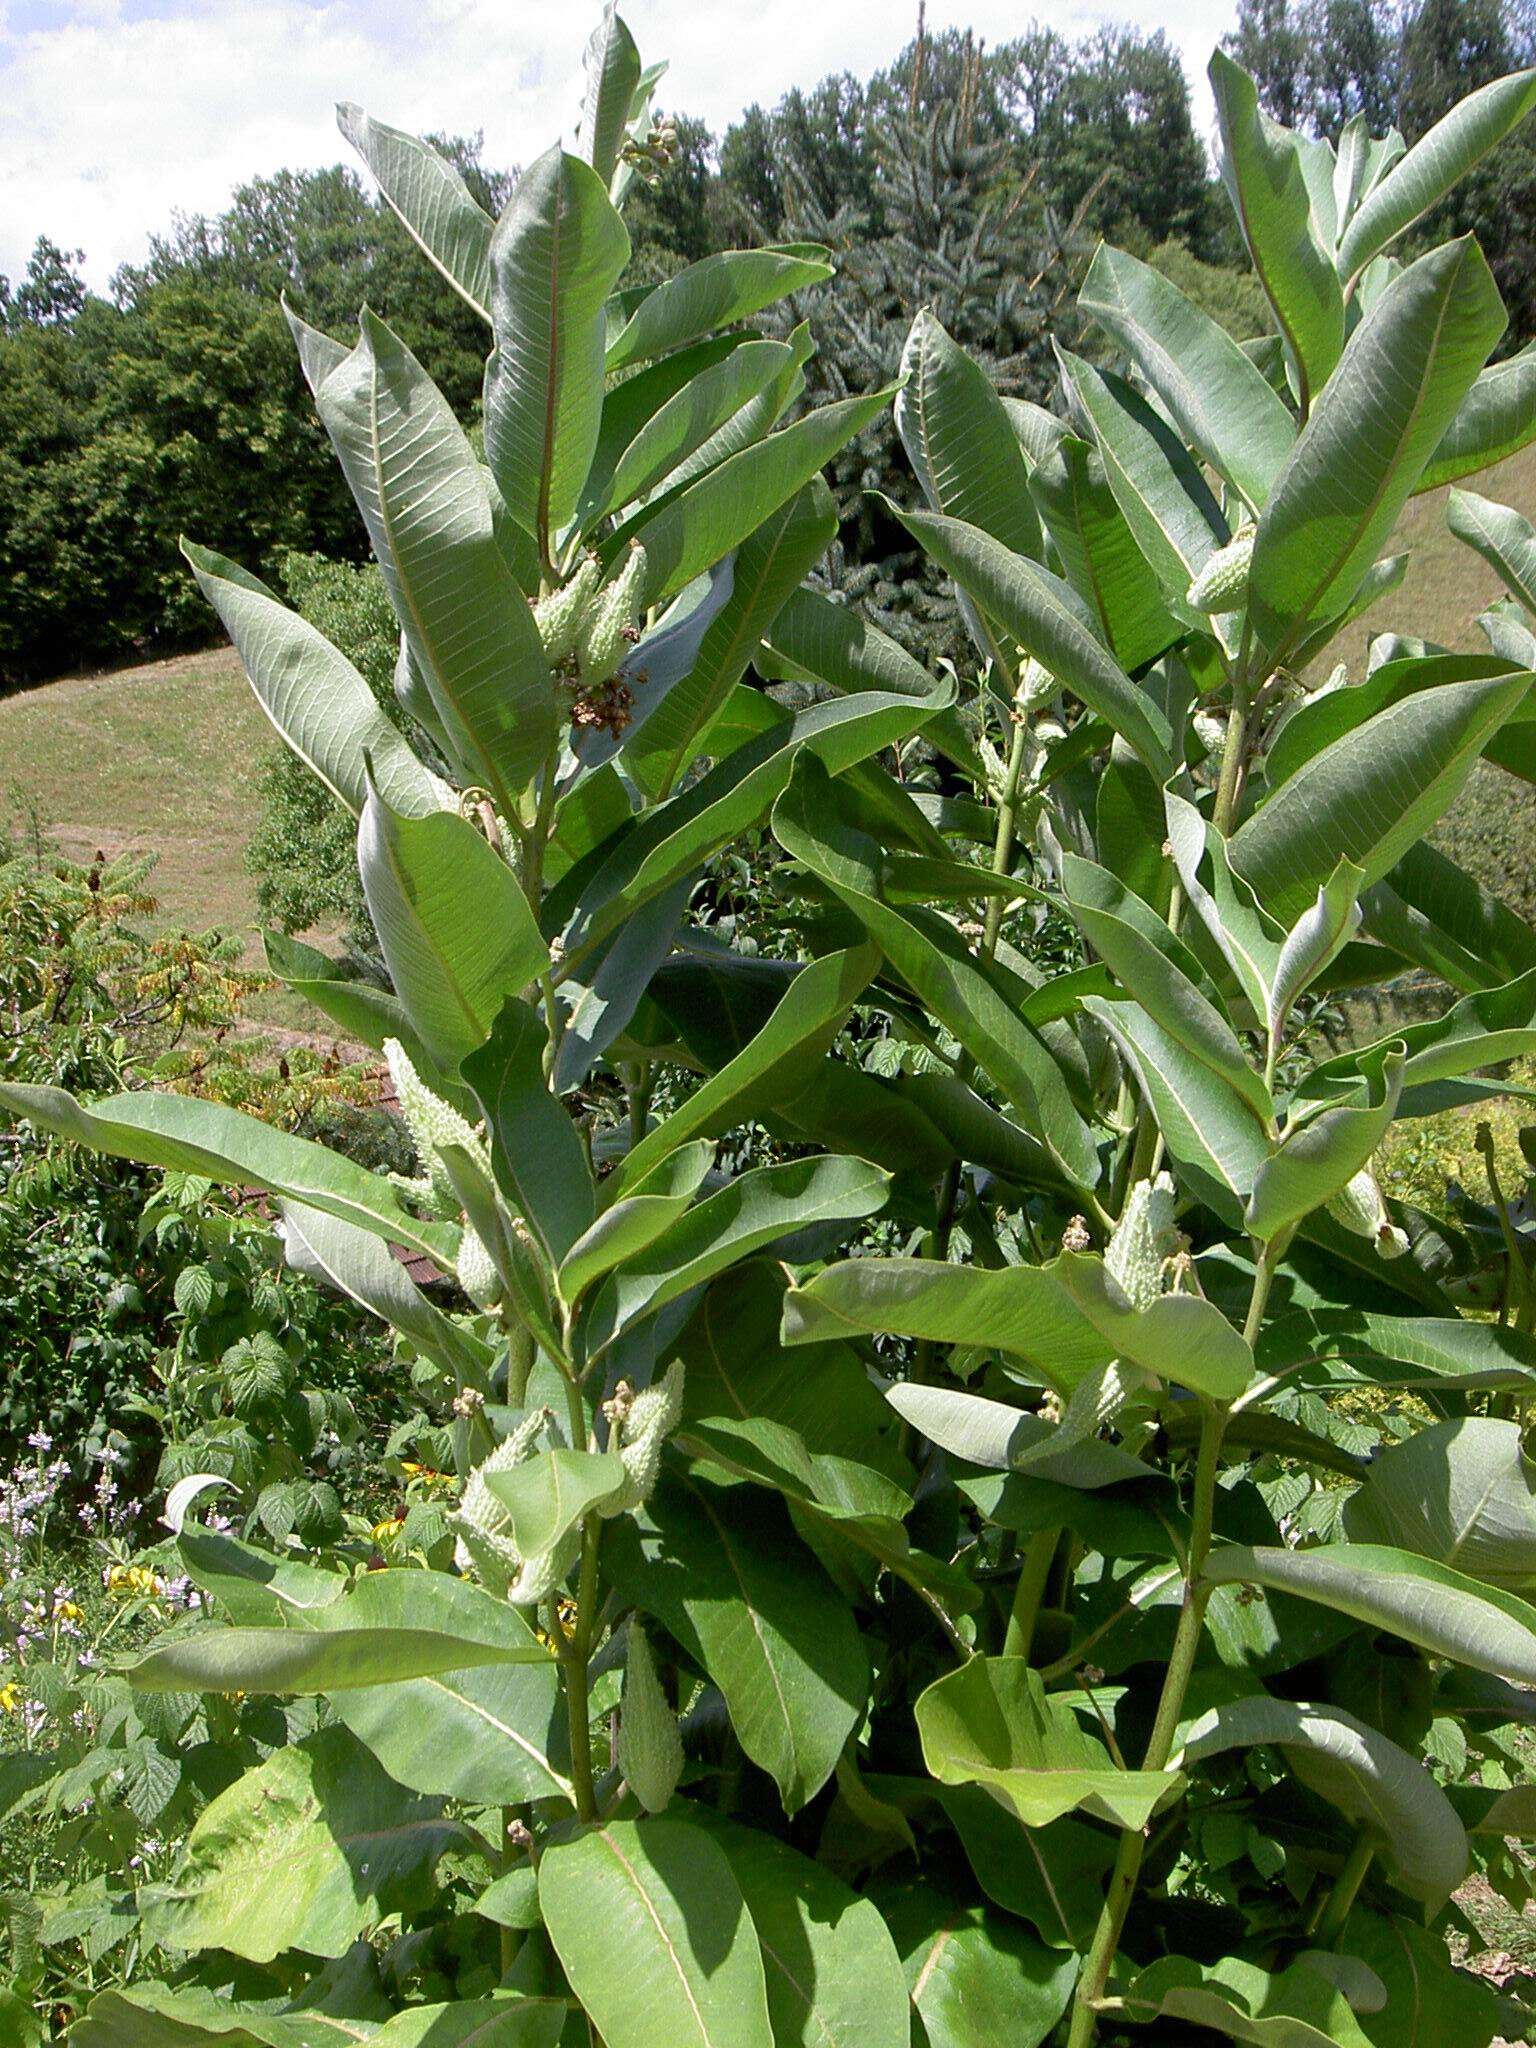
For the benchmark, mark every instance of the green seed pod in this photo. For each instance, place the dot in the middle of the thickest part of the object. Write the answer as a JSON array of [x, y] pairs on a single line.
[[604, 637], [477, 1275], [480, 1524], [650, 1747], [431, 1122], [539, 1577], [563, 615], [1144, 1240], [1361, 1207], [653, 1415], [1222, 585]]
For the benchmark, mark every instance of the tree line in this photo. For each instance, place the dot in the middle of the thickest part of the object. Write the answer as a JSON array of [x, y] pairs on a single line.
[[976, 180]]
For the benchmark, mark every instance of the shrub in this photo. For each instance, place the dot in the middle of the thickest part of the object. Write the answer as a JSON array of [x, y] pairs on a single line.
[[1045, 1548]]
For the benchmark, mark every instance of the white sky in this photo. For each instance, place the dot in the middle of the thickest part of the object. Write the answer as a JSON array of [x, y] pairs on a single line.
[[116, 112]]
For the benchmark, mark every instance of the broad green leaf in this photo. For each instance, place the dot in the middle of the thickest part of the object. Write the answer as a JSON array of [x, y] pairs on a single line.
[[546, 1497], [1018, 1310], [1502, 536], [1495, 419], [834, 1979], [1052, 1877], [193, 1136], [768, 566], [1316, 1160], [254, 1585], [362, 1266], [313, 695], [1316, 938], [1356, 1768], [1262, 167], [615, 978], [554, 258], [718, 510], [1436, 162], [1320, 720], [536, 1150], [991, 1723], [1407, 1351], [674, 838], [1426, 2002], [1482, 1030], [337, 1655], [750, 1212], [807, 1018], [976, 1978], [1460, 1492], [426, 192], [721, 1569], [1049, 621], [958, 440], [1158, 970], [1067, 1317], [1249, 941], [1370, 795], [454, 925], [466, 622], [687, 419], [1100, 554], [155, 2016], [1158, 485], [1219, 400], [365, 1011], [730, 285], [1300, 2008], [1431, 911], [929, 955], [629, 1224], [1212, 1135], [629, 405], [652, 1930], [990, 1433], [1441, 1610], [351, 1847], [493, 1734], [832, 643], [612, 65], [738, 1368], [1405, 371]]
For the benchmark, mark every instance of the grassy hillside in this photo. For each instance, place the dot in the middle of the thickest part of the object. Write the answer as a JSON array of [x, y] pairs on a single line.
[[163, 759]]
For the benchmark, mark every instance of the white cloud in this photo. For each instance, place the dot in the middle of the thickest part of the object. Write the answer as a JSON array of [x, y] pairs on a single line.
[[120, 111]]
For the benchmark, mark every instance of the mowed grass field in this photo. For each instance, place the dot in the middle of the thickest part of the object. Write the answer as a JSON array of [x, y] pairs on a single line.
[[166, 757], [160, 759]]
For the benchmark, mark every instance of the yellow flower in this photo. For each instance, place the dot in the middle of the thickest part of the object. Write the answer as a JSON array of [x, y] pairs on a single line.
[[386, 1532], [131, 1579], [10, 1698], [67, 1610]]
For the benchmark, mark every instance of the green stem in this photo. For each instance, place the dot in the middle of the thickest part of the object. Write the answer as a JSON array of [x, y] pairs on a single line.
[[1234, 758], [1329, 1924], [1039, 1553], [1121, 1889], [1002, 843]]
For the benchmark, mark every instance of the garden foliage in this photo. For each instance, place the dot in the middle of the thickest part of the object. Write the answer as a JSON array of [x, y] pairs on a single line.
[[930, 1584]]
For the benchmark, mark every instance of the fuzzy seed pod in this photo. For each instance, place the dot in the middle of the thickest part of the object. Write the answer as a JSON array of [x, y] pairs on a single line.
[[480, 1524], [1361, 1207], [1222, 585], [538, 1577], [651, 1417], [477, 1275], [603, 638], [1144, 1240], [431, 1123], [562, 615], [650, 1747]]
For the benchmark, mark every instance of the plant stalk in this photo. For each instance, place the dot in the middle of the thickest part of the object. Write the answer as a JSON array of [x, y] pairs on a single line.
[[1344, 1890], [1039, 1554]]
